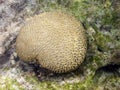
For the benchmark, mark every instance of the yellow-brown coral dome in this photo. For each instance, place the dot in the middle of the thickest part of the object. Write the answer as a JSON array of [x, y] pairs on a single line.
[[55, 39]]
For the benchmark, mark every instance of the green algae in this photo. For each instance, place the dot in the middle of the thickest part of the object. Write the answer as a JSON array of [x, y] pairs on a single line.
[[9, 84]]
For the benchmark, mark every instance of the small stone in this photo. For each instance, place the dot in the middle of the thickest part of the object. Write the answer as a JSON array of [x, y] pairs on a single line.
[[2, 51]]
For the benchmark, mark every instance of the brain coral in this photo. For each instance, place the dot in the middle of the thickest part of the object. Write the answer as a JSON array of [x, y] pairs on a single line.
[[55, 40]]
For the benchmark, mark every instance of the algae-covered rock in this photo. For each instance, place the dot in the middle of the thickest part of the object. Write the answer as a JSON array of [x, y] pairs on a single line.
[[116, 6], [99, 71], [55, 39]]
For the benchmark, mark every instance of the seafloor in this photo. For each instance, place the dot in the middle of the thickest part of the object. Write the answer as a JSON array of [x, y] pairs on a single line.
[[101, 67]]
